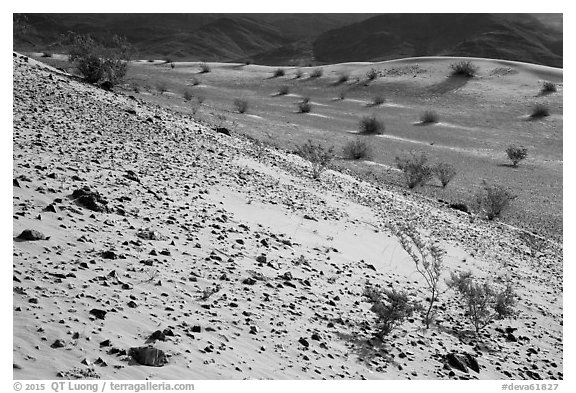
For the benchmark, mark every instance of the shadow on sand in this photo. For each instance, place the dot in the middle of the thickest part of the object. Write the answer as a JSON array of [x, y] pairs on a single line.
[[452, 83]]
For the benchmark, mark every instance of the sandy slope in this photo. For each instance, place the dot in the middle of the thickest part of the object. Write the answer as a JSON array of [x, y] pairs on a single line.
[[286, 256]]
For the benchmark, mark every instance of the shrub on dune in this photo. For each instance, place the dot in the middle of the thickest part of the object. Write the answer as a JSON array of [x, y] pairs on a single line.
[[318, 156], [279, 72], [464, 68], [539, 111], [304, 106], [548, 87], [241, 105], [357, 149], [416, 170], [429, 117], [516, 154], [371, 125], [317, 73]]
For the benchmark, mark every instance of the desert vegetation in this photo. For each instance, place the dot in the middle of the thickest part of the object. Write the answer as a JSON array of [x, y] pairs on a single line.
[[429, 117], [99, 62], [492, 200], [371, 74], [204, 67], [318, 156], [444, 172], [481, 301], [415, 168], [377, 100], [428, 259], [316, 73], [548, 87], [464, 68], [342, 78], [304, 106], [357, 149], [278, 72], [283, 90], [391, 307], [240, 105], [539, 111], [516, 154], [371, 125]]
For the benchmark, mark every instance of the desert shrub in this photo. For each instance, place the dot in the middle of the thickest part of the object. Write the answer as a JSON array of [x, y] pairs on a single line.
[[194, 81], [298, 74], [248, 61], [357, 149], [429, 117], [372, 74], [516, 153], [493, 199], [46, 54], [204, 68], [416, 170], [319, 156], [317, 73], [548, 87], [304, 106], [188, 95], [391, 307], [483, 304], [99, 62], [444, 172], [377, 100], [283, 90], [539, 111], [200, 99], [370, 125], [464, 68], [172, 65], [241, 105], [429, 264], [279, 72], [343, 78], [341, 94]]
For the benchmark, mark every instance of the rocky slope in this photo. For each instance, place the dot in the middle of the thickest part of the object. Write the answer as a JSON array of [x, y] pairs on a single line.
[[147, 228]]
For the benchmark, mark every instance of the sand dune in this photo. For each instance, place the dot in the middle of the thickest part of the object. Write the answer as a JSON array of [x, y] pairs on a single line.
[[231, 260]]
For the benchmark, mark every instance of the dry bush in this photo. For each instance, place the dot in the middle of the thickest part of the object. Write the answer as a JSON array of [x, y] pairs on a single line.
[[444, 172], [161, 86], [429, 117], [318, 156], [372, 74], [298, 74], [482, 303], [464, 68], [391, 307], [429, 264], [371, 125], [357, 149], [516, 154], [283, 90], [204, 68], [304, 106], [240, 105], [377, 100], [99, 61], [493, 199], [279, 72], [416, 170], [317, 73], [548, 87], [539, 111]]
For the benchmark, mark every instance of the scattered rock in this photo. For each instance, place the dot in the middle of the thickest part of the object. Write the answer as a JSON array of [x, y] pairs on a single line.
[[148, 356], [32, 235]]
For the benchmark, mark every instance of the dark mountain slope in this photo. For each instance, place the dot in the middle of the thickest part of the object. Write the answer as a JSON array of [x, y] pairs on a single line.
[[518, 37]]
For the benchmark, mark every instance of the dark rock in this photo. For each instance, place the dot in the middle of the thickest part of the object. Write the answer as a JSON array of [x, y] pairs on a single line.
[[148, 356], [371, 267], [249, 281], [459, 206], [132, 304], [109, 254], [90, 199], [15, 183], [223, 130], [105, 343], [157, 335], [57, 344], [196, 329], [304, 342], [261, 258], [472, 362], [106, 85], [32, 235], [457, 361], [100, 314]]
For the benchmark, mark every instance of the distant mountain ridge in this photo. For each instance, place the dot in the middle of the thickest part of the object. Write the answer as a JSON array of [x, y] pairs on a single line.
[[519, 37], [303, 39]]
